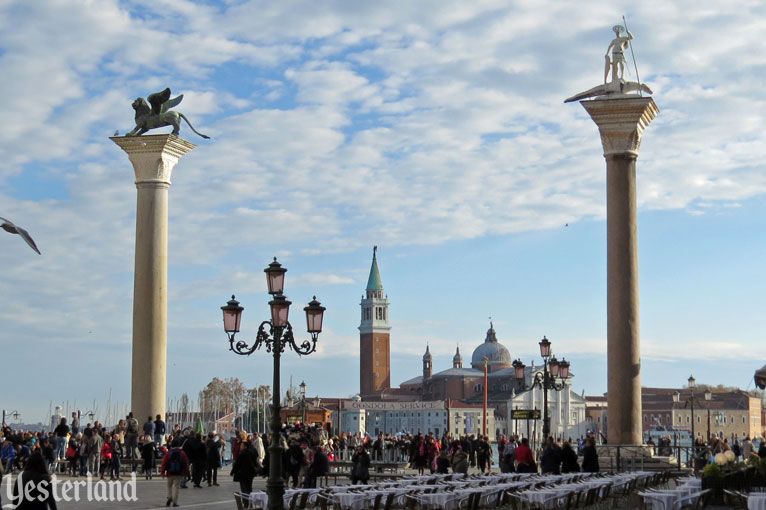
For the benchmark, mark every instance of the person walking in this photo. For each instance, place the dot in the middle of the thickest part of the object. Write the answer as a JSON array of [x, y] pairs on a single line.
[[148, 455], [244, 470], [569, 459], [159, 431], [75, 424], [320, 466], [36, 486], [95, 443], [213, 458], [149, 428], [590, 457], [361, 470], [550, 461], [198, 459], [175, 465], [131, 436], [525, 460], [61, 432], [484, 454], [117, 453], [106, 455]]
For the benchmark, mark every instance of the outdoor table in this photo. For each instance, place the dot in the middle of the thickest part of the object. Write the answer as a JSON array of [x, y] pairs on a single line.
[[756, 501], [663, 500], [445, 500], [545, 496], [351, 500]]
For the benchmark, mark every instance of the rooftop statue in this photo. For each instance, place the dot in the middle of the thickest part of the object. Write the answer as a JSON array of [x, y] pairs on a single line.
[[616, 67], [159, 114]]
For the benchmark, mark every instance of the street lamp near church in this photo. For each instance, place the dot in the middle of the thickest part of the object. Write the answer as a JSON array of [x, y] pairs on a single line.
[[275, 334], [553, 370], [691, 401]]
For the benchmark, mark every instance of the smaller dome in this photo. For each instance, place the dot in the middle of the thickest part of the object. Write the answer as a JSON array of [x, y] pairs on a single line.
[[457, 357], [427, 355]]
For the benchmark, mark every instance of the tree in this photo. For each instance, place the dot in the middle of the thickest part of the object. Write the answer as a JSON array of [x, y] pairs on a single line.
[[223, 396]]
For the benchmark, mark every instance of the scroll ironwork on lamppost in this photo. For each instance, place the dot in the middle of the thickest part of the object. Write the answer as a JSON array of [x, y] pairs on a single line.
[[275, 334], [553, 369]]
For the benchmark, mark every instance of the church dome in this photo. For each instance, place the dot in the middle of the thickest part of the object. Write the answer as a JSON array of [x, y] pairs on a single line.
[[496, 353]]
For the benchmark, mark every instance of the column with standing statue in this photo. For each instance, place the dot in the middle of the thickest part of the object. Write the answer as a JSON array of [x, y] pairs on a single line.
[[621, 113]]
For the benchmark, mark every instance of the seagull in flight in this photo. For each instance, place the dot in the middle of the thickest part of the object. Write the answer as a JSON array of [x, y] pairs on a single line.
[[8, 226]]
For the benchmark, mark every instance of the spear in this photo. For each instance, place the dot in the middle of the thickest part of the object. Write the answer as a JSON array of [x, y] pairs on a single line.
[[634, 58]]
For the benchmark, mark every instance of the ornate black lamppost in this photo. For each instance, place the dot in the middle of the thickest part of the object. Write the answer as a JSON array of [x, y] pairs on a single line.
[[691, 401], [276, 334], [552, 369]]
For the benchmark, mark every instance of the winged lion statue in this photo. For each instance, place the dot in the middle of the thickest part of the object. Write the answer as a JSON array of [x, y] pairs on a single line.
[[159, 114]]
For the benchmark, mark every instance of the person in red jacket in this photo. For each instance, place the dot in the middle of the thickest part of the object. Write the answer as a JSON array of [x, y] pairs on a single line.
[[524, 458], [175, 466]]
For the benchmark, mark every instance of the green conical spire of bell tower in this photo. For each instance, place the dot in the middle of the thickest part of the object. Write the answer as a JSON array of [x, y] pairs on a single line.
[[373, 282]]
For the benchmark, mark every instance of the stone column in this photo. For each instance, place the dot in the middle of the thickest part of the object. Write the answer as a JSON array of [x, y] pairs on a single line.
[[621, 122], [153, 158]]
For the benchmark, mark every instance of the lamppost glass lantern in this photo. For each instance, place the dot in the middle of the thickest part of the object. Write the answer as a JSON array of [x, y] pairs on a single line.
[[564, 368], [545, 347], [518, 367], [314, 314], [553, 367], [692, 382], [275, 277], [303, 389], [280, 308], [708, 395], [232, 316]]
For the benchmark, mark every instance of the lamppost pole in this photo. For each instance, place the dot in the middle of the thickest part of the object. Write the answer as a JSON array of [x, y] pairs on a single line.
[[691, 401], [546, 416], [275, 334]]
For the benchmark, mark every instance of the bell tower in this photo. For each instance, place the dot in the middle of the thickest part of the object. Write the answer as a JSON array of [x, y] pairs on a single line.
[[374, 343]]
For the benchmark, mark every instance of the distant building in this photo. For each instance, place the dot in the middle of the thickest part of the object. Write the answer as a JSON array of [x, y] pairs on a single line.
[[726, 415]]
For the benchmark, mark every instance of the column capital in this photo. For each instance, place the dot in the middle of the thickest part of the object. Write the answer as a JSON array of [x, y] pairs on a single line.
[[153, 156], [621, 122]]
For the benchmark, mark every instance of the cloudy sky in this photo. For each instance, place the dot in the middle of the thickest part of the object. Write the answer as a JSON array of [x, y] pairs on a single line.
[[433, 129]]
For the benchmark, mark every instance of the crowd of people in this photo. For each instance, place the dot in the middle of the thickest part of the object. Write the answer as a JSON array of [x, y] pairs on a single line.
[[187, 456], [98, 451]]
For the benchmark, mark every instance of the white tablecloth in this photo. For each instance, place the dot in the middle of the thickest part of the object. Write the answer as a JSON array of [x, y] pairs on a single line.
[[663, 500], [756, 501], [352, 500], [445, 500], [550, 495]]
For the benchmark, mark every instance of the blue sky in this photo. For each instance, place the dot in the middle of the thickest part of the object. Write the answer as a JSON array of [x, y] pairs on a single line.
[[435, 130]]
